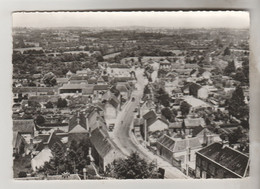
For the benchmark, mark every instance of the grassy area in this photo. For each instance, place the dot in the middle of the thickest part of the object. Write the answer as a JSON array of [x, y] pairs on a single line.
[[21, 164]]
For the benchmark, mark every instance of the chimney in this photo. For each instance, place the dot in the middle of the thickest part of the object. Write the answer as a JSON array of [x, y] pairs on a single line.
[[225, 143]]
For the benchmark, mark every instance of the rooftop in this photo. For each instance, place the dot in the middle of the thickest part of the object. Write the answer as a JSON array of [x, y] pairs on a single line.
[[227, 157]]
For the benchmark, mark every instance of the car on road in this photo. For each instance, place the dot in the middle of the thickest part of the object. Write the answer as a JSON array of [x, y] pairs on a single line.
[[133, 99], [111, 127]]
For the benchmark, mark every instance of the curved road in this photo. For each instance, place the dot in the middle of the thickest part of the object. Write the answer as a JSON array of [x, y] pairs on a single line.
[[125, 140]]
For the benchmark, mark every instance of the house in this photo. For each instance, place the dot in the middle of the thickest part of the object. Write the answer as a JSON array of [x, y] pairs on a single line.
[[78, 127], [99, 90], [206, 75], [118, 70], [220, 161], [64, 127], [147, 106], [176, 151], [78, 79], [195, 90], [190, 124], [44, 145], [205, 136], [138, 126], [165, 64], [104, 151], [95, 118], [70, 89], [69, 74], [123, 90], [153, 123], [84, 72], [62, 80], [25, 126], [26, 92], [177, 93], [111, 109]]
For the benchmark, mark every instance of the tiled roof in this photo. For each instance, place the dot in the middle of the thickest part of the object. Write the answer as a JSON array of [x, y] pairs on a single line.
[[151, 117], [194, 122], [177, 145], [44, 98], [24, 126], [114, 102], [50, 140], [100, 87], [138, 121], [62, 80], [74, 86], [88, 90], [118, 66], [121, 88], [175, 125], [122, 79], [77, 77], [34, 89], [101, 142], [227, 157], [76, 120]]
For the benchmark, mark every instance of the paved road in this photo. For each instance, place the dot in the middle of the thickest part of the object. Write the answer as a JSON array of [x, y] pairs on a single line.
[[124, 138]]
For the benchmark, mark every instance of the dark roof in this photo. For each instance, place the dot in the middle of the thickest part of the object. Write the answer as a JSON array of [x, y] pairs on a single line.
[[118, 66], [151, 117], [105, 78], [227, 157], [113, 102], [78, 119], [192, 86], [50, 140], [101, 142], [24, 126], [100, 87]]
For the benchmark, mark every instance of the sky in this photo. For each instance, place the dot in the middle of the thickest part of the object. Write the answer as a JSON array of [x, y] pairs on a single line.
[[177, 19]]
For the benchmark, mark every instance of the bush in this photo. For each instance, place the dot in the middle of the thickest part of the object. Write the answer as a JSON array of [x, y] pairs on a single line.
[[22, 174]]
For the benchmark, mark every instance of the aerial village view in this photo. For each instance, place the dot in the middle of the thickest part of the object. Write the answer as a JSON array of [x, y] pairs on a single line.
[[130, 102]]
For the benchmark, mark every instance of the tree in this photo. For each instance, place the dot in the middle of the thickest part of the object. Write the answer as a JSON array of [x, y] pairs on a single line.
[[163, 98], [73, 160], [40, 120], [240, 76], [230, 68], [62, 103], [22, 174], [166, 112], [133, 167], [236, 104], [49, 79], [49, 105], [227, 51], [185, 108]]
